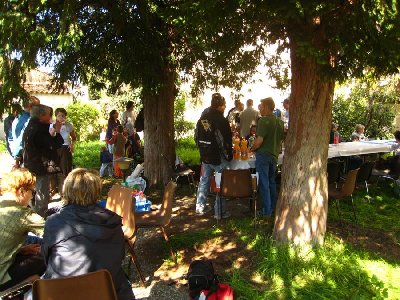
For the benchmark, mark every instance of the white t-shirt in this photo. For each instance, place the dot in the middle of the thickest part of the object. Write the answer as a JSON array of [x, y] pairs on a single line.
[[128, 121], [65, 132]]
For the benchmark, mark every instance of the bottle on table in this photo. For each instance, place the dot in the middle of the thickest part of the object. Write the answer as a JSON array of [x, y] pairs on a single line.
[[236, 148], [336, 137], [243, 149]]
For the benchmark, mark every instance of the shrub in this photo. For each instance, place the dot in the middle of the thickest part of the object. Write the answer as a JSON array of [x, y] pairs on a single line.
[[183, 128], [85, 119], [369, 104]]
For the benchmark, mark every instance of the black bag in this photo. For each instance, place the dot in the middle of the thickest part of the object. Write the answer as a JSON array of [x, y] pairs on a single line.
[[201, 277]]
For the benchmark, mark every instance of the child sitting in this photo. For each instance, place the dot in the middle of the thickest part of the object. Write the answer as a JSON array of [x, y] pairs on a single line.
[[106, 162]]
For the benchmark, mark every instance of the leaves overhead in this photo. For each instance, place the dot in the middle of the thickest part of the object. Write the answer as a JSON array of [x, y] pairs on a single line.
[[217, 43]]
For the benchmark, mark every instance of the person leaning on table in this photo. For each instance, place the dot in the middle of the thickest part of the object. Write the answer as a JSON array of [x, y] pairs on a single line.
[[268, 143], [84, 237], [17, 260]]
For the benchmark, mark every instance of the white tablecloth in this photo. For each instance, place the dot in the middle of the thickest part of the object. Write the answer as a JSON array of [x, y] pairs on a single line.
[[335, 150], [362, 147]]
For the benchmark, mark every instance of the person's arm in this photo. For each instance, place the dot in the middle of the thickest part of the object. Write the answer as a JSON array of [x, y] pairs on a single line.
[[257, 143], [34, 223]]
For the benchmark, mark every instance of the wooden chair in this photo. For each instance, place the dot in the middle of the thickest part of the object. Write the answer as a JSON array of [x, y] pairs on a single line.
[[92, 286], [161, 217], [345, 191], [121, 202], [238, 184]]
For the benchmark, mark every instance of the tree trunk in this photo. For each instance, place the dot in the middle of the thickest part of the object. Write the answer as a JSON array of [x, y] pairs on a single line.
[[159, 145], [302, 208]]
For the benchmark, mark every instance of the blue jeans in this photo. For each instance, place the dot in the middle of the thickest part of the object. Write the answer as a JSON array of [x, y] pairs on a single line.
[[266, 168], [204, 187]]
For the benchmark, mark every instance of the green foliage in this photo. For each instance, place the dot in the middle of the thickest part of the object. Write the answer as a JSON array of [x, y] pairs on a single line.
[[182, 127], [87, 154], [187, 150], [370, 104], [3, 148], [85, 119]]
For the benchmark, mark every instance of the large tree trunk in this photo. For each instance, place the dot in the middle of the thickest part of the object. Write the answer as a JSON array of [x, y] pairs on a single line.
[[302, 208], [159, 145]]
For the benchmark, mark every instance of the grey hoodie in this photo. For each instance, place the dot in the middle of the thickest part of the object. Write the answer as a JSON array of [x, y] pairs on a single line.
[[82, 239]]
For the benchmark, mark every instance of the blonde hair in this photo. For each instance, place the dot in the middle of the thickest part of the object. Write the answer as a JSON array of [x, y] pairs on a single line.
[[359, 127], [19, 178], [82, 187]]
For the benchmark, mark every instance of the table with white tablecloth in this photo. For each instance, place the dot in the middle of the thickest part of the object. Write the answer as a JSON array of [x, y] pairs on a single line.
[[335, 150]]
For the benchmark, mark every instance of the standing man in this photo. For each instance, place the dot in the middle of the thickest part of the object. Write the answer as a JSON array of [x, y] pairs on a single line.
[[15, 111], [268, 145], [128, 118], [40, 144], [248, 118], [18, 128], [214, 140]]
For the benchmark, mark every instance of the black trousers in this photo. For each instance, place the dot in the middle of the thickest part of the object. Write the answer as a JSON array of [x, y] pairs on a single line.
[[23, 267]]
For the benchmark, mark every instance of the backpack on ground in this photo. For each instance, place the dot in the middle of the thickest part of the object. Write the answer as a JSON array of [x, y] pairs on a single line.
[[224, 292], [201, 277]]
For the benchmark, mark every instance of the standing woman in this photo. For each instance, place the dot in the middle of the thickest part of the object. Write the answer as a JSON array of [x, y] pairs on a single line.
[[65, 152], [112, 125]]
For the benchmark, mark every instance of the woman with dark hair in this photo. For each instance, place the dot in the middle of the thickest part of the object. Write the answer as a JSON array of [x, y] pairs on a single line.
[[112, 125]]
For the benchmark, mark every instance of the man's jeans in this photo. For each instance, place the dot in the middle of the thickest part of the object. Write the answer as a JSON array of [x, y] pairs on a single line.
[[266, 168], [42, 197], [204, 187]]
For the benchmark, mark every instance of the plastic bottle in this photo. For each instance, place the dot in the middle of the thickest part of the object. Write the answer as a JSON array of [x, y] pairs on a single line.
[[236, 148], [243, 150], [251, 141], [336, 137]]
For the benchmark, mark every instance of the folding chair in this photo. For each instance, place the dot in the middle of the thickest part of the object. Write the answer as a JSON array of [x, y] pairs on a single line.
[[92, 286], [121, 202], [364, 174], [238, 184], [345, 191], [159, 218]]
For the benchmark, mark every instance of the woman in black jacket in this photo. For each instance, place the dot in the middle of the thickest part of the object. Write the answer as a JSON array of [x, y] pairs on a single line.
[[83, 237]]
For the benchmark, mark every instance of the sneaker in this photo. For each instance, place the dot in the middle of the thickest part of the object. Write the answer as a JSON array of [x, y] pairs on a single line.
[[203, 211], [225, 215]]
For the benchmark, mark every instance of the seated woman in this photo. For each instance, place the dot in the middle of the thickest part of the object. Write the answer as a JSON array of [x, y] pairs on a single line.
[[358, 133], [18, 261], [83, 237]]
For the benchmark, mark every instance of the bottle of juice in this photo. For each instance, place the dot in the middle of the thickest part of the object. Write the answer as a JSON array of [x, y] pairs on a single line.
[[243, 149], [236, 148]]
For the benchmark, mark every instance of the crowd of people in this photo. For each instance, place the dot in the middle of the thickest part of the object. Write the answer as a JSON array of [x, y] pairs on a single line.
[[79, 236], [264, 131]]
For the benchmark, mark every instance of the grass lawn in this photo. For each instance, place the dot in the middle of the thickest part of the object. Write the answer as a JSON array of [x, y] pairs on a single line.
[[87, 154], [359, 260]]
